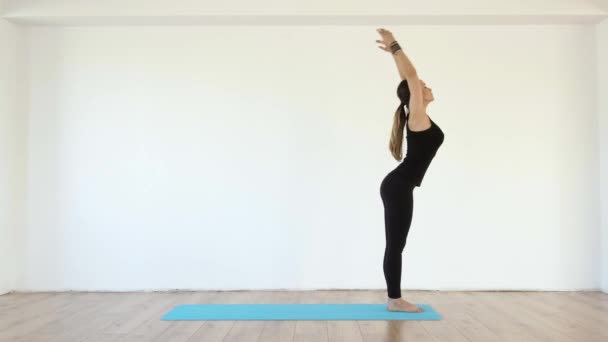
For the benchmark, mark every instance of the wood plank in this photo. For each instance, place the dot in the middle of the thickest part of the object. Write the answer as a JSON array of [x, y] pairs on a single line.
[[81, 324], [145, 324], [445, 329], [385, 330], [467, 316], [29, 319], [560, 312], [245, 331], [308, 330], [341, 330], [279, 331], [452, 306]]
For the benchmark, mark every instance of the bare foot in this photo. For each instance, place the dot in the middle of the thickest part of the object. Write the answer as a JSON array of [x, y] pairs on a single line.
[[400, 304]]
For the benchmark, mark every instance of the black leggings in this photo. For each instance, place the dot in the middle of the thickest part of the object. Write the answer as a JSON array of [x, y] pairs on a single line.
[[398, 198]]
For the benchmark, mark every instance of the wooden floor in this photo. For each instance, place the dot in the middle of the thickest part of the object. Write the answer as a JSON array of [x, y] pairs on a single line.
[[467, 316]]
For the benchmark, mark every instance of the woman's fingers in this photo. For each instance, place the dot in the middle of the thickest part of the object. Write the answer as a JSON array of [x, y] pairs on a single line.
[[381, 42], [385, 36]]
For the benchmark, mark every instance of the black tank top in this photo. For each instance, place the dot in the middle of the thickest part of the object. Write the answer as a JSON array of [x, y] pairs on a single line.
[[421, 149]]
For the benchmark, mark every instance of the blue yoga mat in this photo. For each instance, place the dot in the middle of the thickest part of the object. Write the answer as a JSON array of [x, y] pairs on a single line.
[[322, 312]]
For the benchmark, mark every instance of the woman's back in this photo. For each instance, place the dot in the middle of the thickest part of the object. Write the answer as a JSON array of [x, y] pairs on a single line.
[[421, 149]]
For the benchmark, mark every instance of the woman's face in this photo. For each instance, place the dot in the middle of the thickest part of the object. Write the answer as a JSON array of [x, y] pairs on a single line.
[[427, 93]]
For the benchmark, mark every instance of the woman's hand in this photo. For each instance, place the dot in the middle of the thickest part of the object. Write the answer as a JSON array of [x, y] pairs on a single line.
[[387, 39]]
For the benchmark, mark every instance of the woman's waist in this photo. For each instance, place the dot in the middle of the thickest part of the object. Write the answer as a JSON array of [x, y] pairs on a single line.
[[399, 178], [405, 171]]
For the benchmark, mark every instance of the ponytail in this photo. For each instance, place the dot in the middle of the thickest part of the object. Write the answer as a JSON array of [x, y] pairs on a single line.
[[396, 142]]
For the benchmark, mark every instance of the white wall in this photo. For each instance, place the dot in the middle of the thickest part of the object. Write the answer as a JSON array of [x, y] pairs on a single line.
[[272, 7], [602, 45], [12, 170], [251, 157], [315, 12]]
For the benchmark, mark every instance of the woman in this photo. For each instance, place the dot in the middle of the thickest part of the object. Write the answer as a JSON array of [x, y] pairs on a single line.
[[423, 140]]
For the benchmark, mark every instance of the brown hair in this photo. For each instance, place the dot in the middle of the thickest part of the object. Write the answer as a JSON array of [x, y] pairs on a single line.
[[396, 142]]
